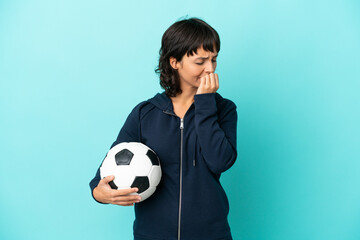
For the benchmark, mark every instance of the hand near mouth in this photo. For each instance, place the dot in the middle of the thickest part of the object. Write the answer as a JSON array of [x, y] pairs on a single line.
[[208, 84]]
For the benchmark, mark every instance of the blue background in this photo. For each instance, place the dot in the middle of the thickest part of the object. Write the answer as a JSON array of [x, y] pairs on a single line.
[[71, 71]]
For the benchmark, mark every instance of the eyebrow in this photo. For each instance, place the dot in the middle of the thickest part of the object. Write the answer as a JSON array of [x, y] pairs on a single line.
[[206, 57]]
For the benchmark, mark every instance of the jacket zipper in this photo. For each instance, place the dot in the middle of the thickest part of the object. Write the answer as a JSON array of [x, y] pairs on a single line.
[[181, 158]]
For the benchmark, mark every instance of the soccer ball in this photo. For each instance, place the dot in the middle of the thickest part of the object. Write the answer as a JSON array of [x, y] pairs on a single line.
[[134, 165]]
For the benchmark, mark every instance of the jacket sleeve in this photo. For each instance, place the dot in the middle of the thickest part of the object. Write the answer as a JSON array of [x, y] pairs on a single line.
[[216, 131], [130, 132]]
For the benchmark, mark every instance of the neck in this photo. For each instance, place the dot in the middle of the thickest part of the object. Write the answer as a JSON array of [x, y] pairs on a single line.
[[186, 97]]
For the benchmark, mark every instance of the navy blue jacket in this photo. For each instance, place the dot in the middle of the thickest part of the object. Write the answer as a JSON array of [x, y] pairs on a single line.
[[189, 203]]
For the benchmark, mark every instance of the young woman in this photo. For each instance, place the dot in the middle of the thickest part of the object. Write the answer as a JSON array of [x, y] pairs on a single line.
[[192, 129]]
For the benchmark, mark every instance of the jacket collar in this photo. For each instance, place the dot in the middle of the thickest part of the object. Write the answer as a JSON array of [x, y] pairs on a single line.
[[163, 102]]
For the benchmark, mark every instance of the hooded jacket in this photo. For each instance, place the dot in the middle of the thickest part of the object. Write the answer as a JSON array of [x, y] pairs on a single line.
[[189, 202]]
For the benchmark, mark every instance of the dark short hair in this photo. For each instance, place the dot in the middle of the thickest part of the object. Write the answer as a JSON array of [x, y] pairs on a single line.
[[183, 37]]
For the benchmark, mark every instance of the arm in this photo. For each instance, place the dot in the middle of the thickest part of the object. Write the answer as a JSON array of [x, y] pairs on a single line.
[[216, 132], [216, 128], [128, 133]]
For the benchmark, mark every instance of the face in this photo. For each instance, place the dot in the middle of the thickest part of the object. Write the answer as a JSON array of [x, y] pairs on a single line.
[[192, 68]]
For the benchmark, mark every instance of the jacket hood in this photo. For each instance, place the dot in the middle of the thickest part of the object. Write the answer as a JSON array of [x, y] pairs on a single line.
[[162, 101]]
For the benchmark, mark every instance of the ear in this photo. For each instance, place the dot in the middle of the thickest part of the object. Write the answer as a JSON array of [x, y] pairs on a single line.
[[174, 63]]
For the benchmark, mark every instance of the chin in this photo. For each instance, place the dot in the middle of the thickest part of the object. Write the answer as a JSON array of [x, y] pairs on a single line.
[[197, 84]]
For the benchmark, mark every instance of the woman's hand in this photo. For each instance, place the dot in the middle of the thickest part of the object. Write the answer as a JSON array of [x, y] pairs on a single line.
[[208, 84], [105, 194]]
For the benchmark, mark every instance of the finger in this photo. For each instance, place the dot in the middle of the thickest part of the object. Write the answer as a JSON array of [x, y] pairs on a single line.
[[122, 192], [131, 198], [125, 204], [201, 86], [202, 82], [216, 81], [207, 81], [212, 81], [107, 179], [126, 199]]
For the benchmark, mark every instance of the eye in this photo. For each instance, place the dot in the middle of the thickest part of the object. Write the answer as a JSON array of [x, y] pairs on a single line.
[[214, 60], [200, 63]]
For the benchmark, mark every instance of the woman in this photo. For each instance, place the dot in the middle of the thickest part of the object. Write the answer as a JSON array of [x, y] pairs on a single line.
[[192, 129]]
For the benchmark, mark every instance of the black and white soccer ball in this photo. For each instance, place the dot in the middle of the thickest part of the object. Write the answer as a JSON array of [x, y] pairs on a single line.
[[134, 165]]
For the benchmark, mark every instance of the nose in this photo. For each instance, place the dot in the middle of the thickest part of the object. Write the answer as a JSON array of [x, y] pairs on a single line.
[[210, 67]]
